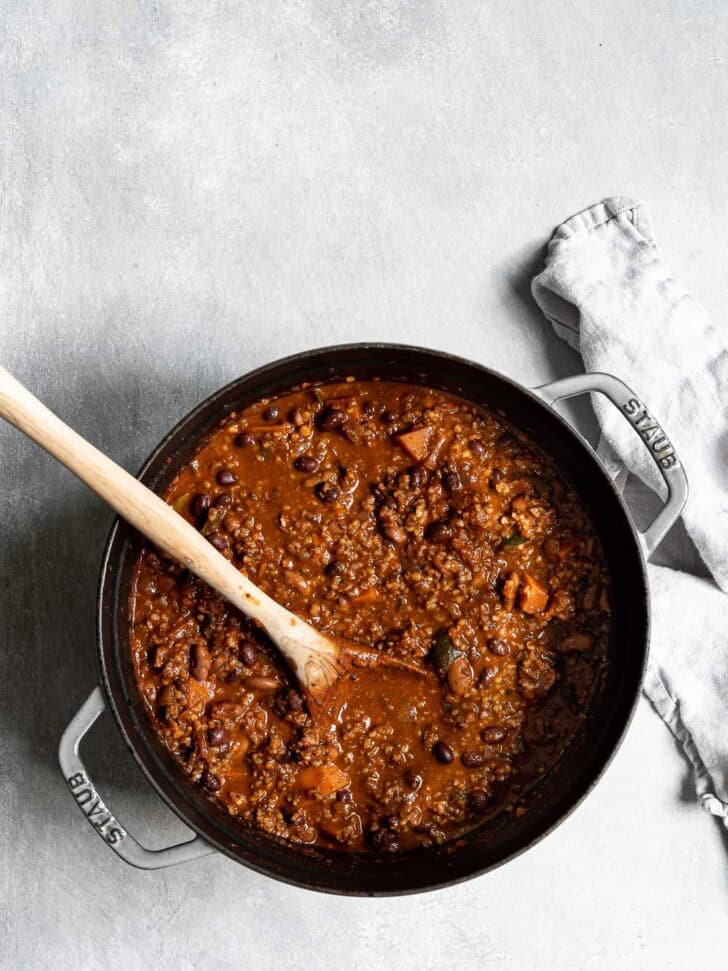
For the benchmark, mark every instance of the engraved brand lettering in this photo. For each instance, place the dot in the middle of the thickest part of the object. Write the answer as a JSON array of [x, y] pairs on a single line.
[[92, 807], [651, 432]]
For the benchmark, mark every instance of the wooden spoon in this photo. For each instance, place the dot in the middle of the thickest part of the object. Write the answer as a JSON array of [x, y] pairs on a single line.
[[316, 659]]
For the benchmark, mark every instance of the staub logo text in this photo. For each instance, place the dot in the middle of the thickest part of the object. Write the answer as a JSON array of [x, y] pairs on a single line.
[[88, 799], [650, 431]]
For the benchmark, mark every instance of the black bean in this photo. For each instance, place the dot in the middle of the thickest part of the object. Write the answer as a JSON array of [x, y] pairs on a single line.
[[505, 440], [443, 753], [217, 737], [200, 504], [219, 540], [472, 760], [224, 499], [477, 447], [412, 779], [211, 781], [388, 417], [306, 463], [498, 647], [495, 476], [335, 569], [244, 440], [295, 701], [226, 478], [248, 654], [382, 839], [367, 409], [327, 492], [270, 414], [450, 480], [493, 734], [418, 476], [344, 795], [478, 801], [332, 418], [439, 532]]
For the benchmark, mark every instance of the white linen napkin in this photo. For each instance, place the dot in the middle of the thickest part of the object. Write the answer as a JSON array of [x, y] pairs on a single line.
[[606, 290]]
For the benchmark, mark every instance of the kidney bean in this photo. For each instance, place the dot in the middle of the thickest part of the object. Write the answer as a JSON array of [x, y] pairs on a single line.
[[327, 492], [486, 676], [493, 734], [498, 647], [244, 440], [306, 463], [166, 696], [260, 683], [226, 478], [248, 653], [270, 413], [460, 676], [472, 760], [478, 801], [201, 662], [217, 737], [223, 500], [443, 753]]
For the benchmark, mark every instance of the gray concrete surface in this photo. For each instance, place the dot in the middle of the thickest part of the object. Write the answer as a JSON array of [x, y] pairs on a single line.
[[188, 190]]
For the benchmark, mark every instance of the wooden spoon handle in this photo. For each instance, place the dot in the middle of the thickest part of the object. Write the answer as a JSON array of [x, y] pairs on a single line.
[[150, 515]]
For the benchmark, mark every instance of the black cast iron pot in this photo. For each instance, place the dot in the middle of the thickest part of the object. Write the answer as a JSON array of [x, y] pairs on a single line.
[[553, 798]]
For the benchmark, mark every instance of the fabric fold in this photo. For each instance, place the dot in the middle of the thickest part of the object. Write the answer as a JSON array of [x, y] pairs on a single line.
[[607, 291]]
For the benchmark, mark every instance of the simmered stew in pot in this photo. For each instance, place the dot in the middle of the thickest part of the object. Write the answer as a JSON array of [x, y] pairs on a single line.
[[403, 518]]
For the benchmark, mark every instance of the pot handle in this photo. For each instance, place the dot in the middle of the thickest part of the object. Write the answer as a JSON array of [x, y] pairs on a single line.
[[655, 439], [94, 809]]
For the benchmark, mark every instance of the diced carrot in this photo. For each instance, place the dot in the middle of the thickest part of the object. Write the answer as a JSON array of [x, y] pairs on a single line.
[[416, 443], [198, 694], [533, 596], [367, 596], [325, 779]]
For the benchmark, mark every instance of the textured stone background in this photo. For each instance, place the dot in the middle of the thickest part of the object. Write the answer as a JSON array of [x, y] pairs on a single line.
[[190, 189]]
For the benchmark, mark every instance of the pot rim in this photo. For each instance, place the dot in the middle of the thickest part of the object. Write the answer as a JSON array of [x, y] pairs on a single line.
[[436, 356]]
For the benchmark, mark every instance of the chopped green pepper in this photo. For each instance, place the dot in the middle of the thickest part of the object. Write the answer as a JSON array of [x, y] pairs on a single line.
[[443, 651], [515, 539]]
